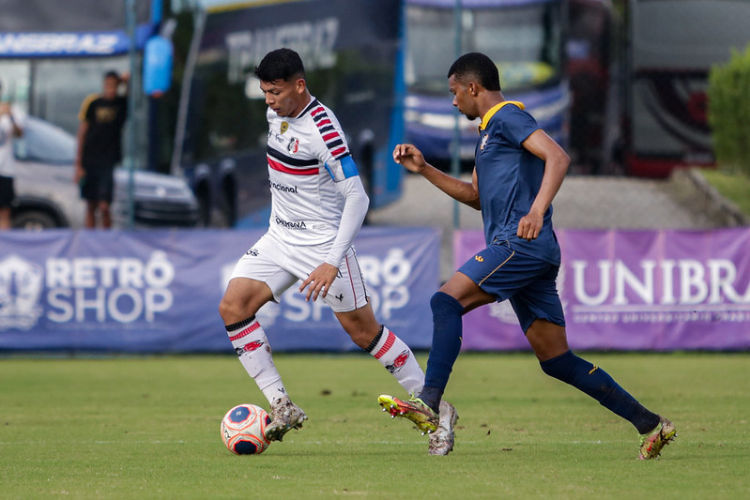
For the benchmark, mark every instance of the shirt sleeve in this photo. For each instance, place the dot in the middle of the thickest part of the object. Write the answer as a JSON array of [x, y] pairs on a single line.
[[85, 114], [332, 150], [355, 209], [517, 124]]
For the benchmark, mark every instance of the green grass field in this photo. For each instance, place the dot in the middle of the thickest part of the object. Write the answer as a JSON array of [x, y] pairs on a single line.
[[149, 428]]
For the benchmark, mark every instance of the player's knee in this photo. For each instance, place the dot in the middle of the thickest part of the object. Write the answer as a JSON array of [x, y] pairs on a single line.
[[232, 311], [225, 309], [442, 303]]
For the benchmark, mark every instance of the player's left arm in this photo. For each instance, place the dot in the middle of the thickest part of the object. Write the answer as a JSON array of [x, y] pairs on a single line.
[[356, 203], [556, 162]]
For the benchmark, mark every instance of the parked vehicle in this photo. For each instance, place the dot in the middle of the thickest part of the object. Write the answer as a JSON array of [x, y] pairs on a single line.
[[47, 197]]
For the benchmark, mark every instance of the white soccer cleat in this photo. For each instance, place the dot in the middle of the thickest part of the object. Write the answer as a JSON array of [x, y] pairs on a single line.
[[442, 440], [285, 416]]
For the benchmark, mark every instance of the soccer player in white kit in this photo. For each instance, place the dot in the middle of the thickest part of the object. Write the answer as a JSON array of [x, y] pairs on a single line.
[[318, 206]]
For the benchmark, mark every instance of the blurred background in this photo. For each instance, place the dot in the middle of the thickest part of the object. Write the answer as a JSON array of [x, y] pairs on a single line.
[[648, 98]]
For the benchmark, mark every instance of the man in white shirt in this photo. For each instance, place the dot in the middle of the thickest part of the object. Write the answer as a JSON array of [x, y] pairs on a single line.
[[10, 127], [318, 206]]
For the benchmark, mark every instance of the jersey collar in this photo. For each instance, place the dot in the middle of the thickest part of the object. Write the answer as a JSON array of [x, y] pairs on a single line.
[[313, 103], [494, 109]]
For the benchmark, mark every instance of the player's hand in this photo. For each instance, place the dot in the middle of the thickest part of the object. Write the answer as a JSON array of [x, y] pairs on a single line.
[[319, 281], [410, 157], [4, 108], [530, 225]]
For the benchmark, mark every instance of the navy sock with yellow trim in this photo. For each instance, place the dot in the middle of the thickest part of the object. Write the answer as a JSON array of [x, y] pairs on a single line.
[[598, 384], [447, 335]]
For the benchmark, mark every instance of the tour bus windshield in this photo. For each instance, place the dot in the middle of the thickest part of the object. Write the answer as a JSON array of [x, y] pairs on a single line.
[[523, 40]]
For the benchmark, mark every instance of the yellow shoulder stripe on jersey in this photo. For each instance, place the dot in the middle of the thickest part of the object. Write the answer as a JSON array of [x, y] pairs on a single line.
[[85, 106], [494, 109]]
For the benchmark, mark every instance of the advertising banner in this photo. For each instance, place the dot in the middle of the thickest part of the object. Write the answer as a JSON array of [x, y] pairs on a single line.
[[159, 291], [44, 28], [635, 290]]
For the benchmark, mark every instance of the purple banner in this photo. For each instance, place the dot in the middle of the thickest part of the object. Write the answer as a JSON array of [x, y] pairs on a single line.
[[635, 290], [159, 291]]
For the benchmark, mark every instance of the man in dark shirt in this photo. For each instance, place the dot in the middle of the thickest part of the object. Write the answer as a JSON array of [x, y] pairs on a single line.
[[102, 117]]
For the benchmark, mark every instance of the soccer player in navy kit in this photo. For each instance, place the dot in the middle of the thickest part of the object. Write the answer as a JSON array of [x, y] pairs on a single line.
[[517, 173]]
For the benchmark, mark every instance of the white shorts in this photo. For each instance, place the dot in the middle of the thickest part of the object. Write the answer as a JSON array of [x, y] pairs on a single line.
[[280, 266]]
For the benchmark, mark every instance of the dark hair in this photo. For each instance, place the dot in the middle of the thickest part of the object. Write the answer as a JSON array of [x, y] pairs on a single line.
[[477, 66], [112, 74], [280, 64]]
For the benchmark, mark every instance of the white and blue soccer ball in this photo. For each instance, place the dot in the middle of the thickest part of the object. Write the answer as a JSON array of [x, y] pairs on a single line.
[[243, 429]]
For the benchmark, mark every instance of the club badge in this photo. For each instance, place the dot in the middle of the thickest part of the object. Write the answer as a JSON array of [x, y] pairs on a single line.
[[484, 141], [284, 127]]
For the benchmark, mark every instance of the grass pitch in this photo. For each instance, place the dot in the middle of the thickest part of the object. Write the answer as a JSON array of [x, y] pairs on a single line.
[[149, 428]]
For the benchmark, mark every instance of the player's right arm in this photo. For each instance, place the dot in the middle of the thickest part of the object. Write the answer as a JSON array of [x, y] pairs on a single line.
[[413, 160]]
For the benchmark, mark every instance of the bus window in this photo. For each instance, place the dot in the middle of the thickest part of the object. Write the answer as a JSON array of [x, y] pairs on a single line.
[[525, 38]]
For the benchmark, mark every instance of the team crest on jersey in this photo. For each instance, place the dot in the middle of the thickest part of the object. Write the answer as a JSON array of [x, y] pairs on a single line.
[[484, 141], [293, 145], [284, 127]]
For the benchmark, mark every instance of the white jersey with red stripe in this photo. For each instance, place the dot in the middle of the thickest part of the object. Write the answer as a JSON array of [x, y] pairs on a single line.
[[307, 156]]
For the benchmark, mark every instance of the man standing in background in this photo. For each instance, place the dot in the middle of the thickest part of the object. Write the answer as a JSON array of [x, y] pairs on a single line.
[[11, 126], [102, 118]]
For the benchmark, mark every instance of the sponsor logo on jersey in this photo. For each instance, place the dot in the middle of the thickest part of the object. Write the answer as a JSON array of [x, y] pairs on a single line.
[[479, 258], [283, 188], [252, 252], [291, 225], [400, 361], [284, 127]]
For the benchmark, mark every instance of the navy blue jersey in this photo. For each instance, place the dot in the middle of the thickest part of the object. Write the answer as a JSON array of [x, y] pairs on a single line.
[[509, 177]]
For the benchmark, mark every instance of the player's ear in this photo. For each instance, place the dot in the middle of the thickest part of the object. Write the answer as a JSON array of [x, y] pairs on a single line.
[[300, 85]]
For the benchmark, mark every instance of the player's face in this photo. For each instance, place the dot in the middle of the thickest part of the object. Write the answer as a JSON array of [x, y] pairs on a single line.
[[286, 98], [110, 87], [462, 98]]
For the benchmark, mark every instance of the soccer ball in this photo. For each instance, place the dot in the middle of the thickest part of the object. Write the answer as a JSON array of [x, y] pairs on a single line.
[[243, 429]]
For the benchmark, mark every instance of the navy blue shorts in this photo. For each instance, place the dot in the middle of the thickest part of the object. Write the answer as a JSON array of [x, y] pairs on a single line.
[[528, 282]]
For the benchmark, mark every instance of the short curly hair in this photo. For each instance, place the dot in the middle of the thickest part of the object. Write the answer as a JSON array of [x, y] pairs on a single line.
[[478, 66]]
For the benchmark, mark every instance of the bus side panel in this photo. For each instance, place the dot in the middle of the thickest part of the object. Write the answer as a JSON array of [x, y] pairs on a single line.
[[672, 49], [349, 48]]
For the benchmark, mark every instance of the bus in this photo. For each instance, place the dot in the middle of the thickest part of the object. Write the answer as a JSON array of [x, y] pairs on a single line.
[[351, 53], [526, 39], [671, 48], [592, 52]]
